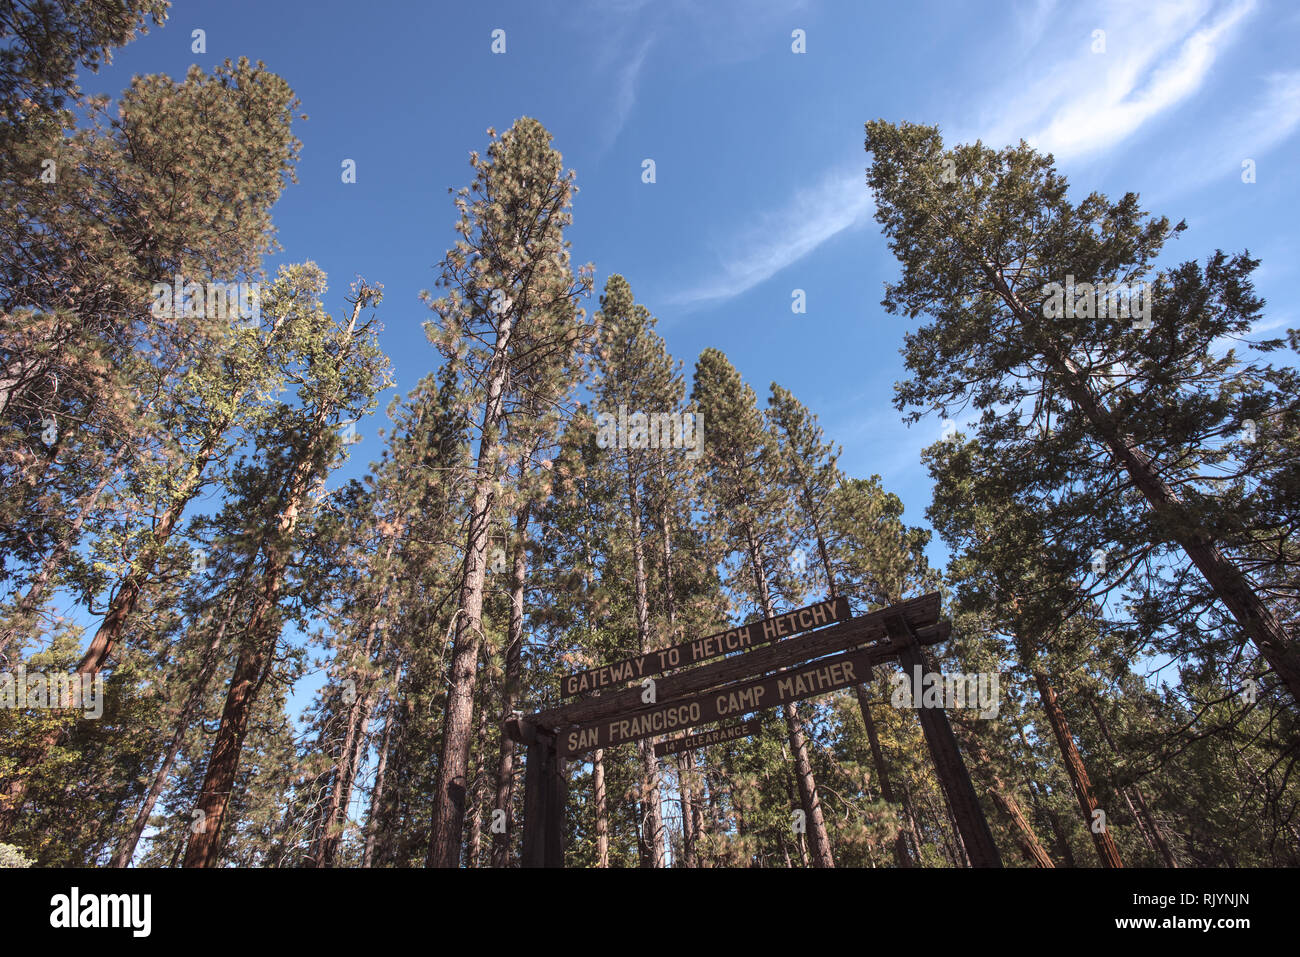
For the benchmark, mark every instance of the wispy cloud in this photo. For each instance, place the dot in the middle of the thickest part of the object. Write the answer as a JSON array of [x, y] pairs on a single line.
[[1278, 116], [627, 77], [779, 237], [1156, 57], [626, 30], [1221, 150]]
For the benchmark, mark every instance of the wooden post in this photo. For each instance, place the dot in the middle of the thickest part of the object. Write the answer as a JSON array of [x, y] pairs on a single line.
[[545, 791], [555, 809], [966, 810]]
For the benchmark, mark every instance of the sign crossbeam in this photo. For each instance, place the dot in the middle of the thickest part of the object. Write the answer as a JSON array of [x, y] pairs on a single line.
[[740, 638], [819, 677], [921, 613]]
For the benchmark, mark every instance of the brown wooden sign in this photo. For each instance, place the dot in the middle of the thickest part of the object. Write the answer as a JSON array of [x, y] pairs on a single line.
[[723, 690], [710, 646], [820, 677], [702, 739], [922, 614]]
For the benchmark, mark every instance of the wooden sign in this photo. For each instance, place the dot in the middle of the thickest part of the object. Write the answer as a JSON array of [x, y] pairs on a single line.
[[710, 646], [820, 677], [922, 614], [702, 739]]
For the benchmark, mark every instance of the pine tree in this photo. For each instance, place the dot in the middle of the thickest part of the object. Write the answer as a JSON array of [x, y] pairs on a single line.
[[342, 370], [511, 321], [980, 249], [746, 514]]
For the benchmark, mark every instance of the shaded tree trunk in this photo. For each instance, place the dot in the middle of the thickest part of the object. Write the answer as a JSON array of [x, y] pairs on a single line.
[[1107, 853], [453, 761], [817, 837], [1151, 829], [602, 810], [510, 688], [377, 793], [1005, 800], [126, 849]]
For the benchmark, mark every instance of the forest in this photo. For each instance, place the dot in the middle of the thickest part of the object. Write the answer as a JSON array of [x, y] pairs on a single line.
[[183, 551]]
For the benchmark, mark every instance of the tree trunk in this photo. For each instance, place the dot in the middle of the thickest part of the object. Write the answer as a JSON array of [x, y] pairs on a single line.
[[602, 810], [901, 856], [689, 824], [121, 605], [326, 839], [816, 825], [126, 850], [685, 759], [1151, 828], [651, 801], [510, 688], [791, 790], [251, 669], [1030, 846], [453, 761], [1004, 798], [1107, 853], [1062, 838], [27, 606], [256, 653], [377, 793], [1256, 619], [354, 750], [478, 788]]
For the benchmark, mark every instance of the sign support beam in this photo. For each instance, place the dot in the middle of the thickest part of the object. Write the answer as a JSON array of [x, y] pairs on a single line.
[[545, 792]]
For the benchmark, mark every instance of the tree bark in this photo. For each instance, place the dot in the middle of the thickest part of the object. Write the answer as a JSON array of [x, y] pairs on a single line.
[[816, 826], [1107, 853], [126, 849], [510, 687], [377, 793], [602, 810], [651, 800], [453, 760]]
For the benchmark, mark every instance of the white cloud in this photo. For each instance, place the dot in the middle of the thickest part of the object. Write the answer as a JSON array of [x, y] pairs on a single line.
[[1157, 56], [625, 87], [778, 238]]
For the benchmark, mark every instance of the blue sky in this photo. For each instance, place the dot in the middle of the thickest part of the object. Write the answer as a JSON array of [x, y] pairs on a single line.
[[759, 153]]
